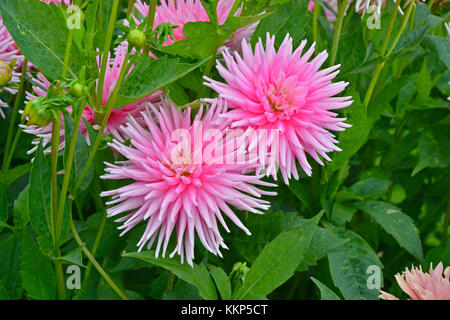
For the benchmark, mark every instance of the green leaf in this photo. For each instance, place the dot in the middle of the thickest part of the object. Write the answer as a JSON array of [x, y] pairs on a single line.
[[424, 83], [433, 148], [80, 157], [441, 45], [150, 75], [322, 242], [370, 188], [15, 173], [396, 223], [41, 32], [349, 265], [39, 199], [21, 211], [72, 257], [222, 281], [182, 291], [36, 272], [342, 213], [197, 275], [352, 50], [277, 261], [3, 293], [352, 139], [325, 292], [10, 253], [291, 17]]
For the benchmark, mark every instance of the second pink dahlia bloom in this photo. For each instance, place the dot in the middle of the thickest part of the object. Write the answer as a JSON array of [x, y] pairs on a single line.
[[173, 193], [282, 90], [420, 285]]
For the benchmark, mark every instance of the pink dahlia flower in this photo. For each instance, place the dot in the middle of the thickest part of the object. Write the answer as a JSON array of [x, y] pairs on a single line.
[[284, 91], [420, 285], [8, 52], [174, 189], [180, 12], [117, 117]]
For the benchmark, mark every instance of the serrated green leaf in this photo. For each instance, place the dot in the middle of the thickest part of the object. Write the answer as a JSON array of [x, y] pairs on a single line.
[[349, 264], [370, 188], [396, 223]]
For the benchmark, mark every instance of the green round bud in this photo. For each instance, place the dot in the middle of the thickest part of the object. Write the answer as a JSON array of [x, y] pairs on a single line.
[[37, 113], [136, 38], [5, 73], [78, 89]]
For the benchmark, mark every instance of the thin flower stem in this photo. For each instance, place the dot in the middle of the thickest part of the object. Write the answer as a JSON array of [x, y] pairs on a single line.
[[9, 151], [105, 59], [381, 64], [130, 8], [101, 208], [56, 127], [337, 32], [13, 148], [95, 263], [430, 4], [150, 22], [110, 104], [67, 173], [315, 17]]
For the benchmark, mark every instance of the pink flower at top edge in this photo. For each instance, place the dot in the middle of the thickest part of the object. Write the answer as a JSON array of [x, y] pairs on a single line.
[[282, 90], [169, 192]]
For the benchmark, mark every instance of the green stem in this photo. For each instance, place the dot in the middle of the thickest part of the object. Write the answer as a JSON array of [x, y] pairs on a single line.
[[95, 263], [13, 148], [9, 152], [109, 35], [150, 22], [381, 64], [56, 127], [430, 4], [67, 172], [337, 32], [315, 17], [110, 104], [101, 208], [130, 8]]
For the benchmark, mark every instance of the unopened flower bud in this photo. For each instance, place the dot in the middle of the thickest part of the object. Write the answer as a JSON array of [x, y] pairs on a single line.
[[5, 73], [37, 113], [78, 89], [136, 38]]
